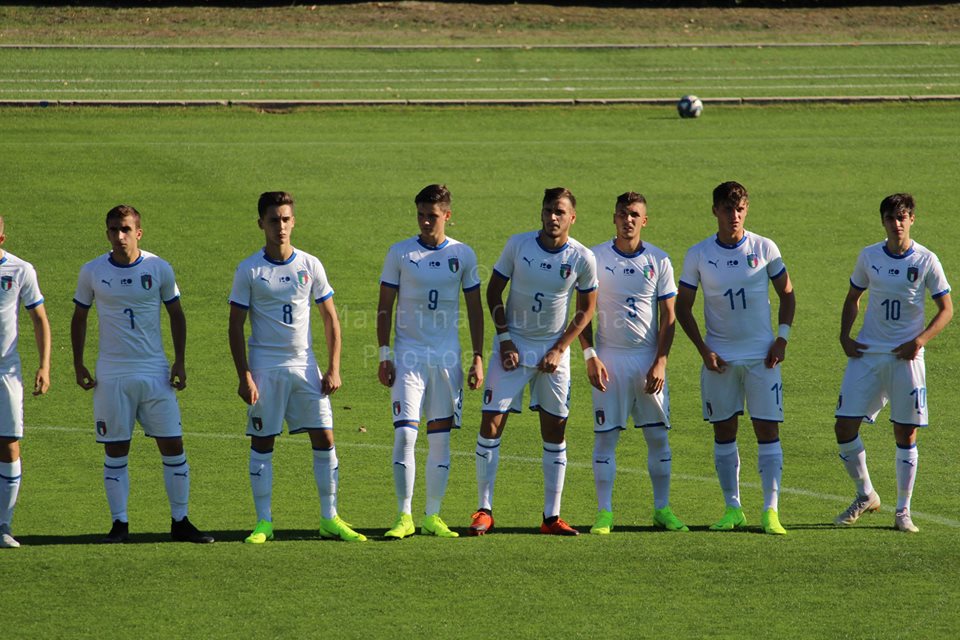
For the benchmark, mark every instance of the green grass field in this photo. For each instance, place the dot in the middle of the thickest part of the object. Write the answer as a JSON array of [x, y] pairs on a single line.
[[816, 176]]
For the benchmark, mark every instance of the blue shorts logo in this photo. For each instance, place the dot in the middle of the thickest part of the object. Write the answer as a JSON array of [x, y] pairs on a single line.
[[101, 428], [487, 396], [600, 417]]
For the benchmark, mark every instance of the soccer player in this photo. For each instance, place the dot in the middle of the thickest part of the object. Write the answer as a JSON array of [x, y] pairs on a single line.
[[423, 275], [885, 362], [533, 336], [281, 381], [628, 369], [18, 283], [134, 381], [740, 354]]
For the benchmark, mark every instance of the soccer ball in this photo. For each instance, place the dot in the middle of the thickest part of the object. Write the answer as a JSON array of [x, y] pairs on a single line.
[[689, 107]]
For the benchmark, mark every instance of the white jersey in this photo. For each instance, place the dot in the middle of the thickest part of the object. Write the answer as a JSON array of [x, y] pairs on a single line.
[[279, 296], [631, 287], [18, 283], [541, 285], [128, 300], [428, 282], [895, 312], [736, 293]]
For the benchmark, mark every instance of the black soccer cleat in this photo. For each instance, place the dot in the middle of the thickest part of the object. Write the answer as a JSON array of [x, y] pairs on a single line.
[[119, 532], [184, 531]]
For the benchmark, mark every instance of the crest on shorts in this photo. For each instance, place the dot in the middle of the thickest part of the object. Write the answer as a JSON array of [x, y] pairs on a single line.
[[600, 417], [454, 264], [709, 409], [257, 423], [487, 396], [6, 283], [565, 270], [912, 274], [648, 272], [146, 281], [101, 428], [752, 260], [396, 408], [302, 277]]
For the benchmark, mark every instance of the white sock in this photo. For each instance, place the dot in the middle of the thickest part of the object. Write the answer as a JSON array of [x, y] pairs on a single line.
[[605, 466], [770, 466], [176, 478], [659, 464], [438, 470], [261, 482], [906, 475], [726, 458], [488, 459], [326, 471], [9, 489], [554, 471], [854, 458], [404, 466], [116, 481]]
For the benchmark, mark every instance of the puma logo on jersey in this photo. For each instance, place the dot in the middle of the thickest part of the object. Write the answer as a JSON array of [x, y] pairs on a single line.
[[610, 269], [529, 261], [877, 269], [106, 282], [715, 263], [415, 263]]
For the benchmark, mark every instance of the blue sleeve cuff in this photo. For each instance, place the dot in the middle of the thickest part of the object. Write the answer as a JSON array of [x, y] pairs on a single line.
[[856, 286], [688, 286], [81, 305], [239, 306], [668, 296], [934, 296], [779, 273], [326, 297], [501, 275], [40, 302], [171, 300], [389, 284], [473, 288]]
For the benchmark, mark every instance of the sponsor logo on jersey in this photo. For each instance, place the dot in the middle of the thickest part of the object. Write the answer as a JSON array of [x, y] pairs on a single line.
[[752, 260], [434, 264], [648, 272], [893, 272], [733, 263], [454, 264], [396, 408], [101, 428], [146, 281], [546, 266], [600, 417], [6, 283], [303, 277], [629, 271], [126, 282], [487, 396], [257, 423], [565, 270], [912, 274], [285, 279]]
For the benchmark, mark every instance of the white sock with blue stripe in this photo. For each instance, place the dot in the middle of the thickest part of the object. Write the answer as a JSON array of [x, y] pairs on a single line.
[[404, 466], [554, 472], [906, 475], [770, 466], [176, 478], [726, 459], [488, 459], [261, 483], [10, 473], [605, 466], [438, 470], [854, 458], [116, 482], [326, 472], [659, 464]]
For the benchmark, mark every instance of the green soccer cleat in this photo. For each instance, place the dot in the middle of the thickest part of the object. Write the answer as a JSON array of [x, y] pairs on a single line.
[[336, 527], [666, 519], [771, 523], [261, 533], [402, 528], [733, 518], [603, 525], [434, 526]]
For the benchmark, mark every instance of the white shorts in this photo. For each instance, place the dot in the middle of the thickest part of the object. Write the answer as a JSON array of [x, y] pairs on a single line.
[[436, 392], [625, 396], [877, 378], [723, 394], [149, 400], [292, 394], [11, 405], [549, 392]]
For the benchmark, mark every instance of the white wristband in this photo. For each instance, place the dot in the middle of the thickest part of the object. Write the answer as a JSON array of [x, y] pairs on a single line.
[[589, 353], [503, 337], [385, 354], [783, 331]]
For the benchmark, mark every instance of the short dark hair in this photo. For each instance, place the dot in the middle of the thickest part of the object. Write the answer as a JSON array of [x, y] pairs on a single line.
[[273, 199], [122, 211], [434, 194], [628, 198], [896, 203], [552, 195], [730, 193]]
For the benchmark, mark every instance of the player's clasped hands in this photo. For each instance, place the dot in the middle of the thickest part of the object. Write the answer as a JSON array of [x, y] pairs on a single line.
[[551, 360], [509, 357]]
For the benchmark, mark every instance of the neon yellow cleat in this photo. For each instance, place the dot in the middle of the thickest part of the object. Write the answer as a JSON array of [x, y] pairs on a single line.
[[402, 528], [771, 523], [604, 522], [336, 527], [261, 533], [433, 525], [733, 518], [666, 519]]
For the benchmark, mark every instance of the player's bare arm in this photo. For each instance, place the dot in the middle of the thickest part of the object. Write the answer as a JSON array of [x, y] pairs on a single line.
[[910, 350], [851, 309], [788, 308], [41, 331], [684, 310], [331, 331], [586, 306], [246, 387], [78, 338], [178, 334], [657, 374], [475, 320], [596, 371], [386, 371], [509, 357]]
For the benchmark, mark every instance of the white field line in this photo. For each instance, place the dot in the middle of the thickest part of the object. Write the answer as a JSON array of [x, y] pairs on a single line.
[[481, 47], [238, 437]]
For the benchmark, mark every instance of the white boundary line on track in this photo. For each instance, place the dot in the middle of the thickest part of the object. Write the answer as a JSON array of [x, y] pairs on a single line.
[[429, 47], [949, 522]]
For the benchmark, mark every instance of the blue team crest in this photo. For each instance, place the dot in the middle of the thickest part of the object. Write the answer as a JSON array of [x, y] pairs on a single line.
[[302, 277], [912, 274], [6, 283], [565, 270], [146, 281], [600, 417], [752, 260], [454, 264], [487, 396], [396, 408], [648, 272], [101, 428]]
